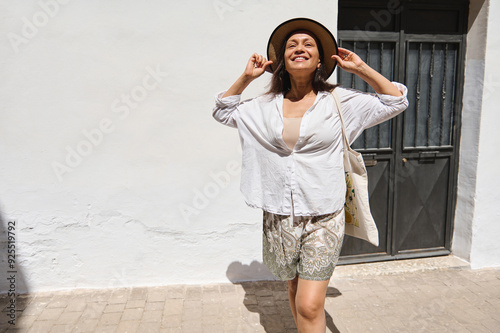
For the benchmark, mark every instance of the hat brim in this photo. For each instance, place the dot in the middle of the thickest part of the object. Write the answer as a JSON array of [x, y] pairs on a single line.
[[325, 37]]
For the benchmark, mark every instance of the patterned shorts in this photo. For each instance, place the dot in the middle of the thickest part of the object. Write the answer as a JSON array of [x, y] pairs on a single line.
[[307, 246]]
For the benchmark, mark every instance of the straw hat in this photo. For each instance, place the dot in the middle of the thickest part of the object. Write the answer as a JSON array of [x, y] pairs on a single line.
[[284, 30]]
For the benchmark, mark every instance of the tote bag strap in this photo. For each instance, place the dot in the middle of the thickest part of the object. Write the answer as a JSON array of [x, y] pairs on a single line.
[[339, 108]]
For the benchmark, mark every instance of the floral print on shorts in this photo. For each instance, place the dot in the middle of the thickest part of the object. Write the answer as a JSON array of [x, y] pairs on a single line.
[[307, 246]]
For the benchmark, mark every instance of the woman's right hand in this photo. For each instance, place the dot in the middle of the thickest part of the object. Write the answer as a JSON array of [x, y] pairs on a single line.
[[256, 66]]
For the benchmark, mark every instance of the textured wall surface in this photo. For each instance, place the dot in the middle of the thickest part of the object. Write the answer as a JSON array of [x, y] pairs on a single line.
[[476, 225], [470, 131], [485, 250], [112, 166]]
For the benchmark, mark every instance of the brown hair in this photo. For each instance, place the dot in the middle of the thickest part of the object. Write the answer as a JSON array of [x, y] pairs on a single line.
[[280, 82]]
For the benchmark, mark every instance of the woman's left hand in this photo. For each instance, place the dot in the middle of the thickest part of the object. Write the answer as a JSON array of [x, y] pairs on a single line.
[[352, 63], [349, 61]]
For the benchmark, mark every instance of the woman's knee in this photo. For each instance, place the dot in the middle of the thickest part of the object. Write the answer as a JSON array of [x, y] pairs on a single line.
[[310, 298], [309, 308]]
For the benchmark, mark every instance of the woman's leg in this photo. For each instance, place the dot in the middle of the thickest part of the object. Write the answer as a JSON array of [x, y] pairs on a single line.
[[292, 293], [310, 305], [320, 248]]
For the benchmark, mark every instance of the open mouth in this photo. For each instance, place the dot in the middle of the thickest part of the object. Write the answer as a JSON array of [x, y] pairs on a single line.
[[300, 59]]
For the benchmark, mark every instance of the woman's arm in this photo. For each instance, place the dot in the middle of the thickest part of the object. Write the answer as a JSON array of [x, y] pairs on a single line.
[[256, 66], [362, 110], [352, 63], [226, 103]]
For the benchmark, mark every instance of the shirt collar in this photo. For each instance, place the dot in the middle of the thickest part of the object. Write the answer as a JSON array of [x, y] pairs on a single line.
[[280, 97]]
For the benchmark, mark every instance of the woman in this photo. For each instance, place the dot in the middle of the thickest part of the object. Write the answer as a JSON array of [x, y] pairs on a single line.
[[292, 166]]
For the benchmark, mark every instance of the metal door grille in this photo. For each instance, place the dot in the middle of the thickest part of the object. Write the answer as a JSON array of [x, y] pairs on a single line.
[[381, 57], [431, 69]]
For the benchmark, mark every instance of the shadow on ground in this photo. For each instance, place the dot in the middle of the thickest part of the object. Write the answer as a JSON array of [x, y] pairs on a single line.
[[269, 298]]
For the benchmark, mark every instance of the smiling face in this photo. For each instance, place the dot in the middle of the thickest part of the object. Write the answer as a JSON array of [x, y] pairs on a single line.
[[301, 54]]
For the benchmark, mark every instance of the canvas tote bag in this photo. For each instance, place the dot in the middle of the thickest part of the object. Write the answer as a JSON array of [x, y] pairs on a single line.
[[359, 222]]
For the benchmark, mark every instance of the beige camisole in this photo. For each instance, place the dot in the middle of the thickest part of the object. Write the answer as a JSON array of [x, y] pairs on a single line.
[[291, 127]]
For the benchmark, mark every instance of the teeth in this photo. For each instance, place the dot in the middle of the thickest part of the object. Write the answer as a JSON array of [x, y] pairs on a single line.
[[300, 58]]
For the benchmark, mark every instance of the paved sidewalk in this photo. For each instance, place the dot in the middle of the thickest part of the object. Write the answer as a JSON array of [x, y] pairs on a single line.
[[453, 299]]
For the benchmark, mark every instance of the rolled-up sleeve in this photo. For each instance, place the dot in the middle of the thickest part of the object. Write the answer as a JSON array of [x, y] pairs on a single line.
[[364, 110], [226, 109]]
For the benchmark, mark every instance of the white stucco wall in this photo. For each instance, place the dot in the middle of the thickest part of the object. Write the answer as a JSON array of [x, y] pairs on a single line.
[[485, 251], [470, 130], [476, 225], [113, 167], [111, 163]]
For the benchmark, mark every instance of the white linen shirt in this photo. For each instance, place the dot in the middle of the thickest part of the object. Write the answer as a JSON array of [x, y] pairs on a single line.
[[313, 171]]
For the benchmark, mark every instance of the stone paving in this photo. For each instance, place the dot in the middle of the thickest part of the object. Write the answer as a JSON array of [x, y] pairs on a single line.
[[454, 299]]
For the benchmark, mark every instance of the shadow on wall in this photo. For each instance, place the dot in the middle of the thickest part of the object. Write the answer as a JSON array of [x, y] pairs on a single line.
[[474, 8], [268, 297], [12, 282]]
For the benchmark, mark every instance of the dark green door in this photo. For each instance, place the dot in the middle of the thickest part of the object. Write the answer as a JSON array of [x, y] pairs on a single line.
[[412, 159]]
